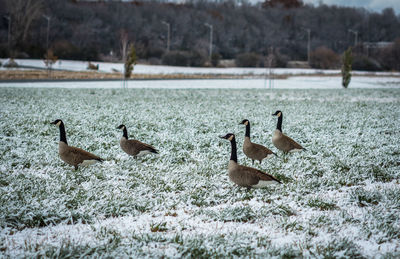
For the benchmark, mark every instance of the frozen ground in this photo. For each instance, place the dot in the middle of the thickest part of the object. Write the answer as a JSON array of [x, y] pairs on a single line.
[[155, 70], [341, 198]]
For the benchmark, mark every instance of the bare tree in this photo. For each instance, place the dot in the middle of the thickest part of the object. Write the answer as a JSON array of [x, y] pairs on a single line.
[[23, 13], [49, 60], [124, 41]]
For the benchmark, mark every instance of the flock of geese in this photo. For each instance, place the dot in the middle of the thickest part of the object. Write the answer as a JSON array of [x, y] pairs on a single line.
[[241, 175]]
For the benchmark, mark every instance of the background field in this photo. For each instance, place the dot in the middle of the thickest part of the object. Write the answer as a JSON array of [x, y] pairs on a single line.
[[340, 198]]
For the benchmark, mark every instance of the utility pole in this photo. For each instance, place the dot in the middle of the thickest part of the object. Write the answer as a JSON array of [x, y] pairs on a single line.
[[211, 37], [9, 34], [48, 31], [308, 44], [355, 36], [168, 34], [269, 74]]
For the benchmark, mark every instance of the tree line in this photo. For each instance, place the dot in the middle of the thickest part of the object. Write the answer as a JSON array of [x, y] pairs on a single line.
[[93, 30]]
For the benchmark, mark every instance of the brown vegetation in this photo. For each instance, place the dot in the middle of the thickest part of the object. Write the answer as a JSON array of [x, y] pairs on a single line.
[[324, 58], [15, 75], [87, 75]]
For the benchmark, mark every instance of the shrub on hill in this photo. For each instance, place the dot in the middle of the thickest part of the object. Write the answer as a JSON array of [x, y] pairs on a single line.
[[248, 60], [324, 58], [390, 56], [183, 58], [280, 60], [362, 62], [66, 50], [176, 58], [215, 58]]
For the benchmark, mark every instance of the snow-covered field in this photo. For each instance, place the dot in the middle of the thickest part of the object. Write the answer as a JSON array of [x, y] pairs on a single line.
[[341, 198], [166, 70]]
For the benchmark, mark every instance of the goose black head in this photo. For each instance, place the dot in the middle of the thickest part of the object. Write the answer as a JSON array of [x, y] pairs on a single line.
[[122, 126], [229, 136], [245, 122], [57, 122], [277, 113]]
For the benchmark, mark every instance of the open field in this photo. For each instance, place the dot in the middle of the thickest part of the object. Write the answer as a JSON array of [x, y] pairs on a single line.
[[341, 198]]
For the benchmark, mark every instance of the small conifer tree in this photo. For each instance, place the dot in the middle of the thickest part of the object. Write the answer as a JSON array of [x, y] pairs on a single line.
[[346, 67], [130, 61]]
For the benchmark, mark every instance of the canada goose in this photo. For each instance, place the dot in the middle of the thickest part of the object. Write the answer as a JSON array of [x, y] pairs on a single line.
[[134, 147], [280, 140], [252, 150], [73, 155], [246, 176]]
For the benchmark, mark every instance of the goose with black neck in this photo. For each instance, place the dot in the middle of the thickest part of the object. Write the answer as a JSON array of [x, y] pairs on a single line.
[[246, 176], [73, 155], [134, 147], [252, 150], [280, 140]]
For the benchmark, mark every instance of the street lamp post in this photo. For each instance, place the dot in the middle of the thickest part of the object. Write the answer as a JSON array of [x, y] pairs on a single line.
[[211, 36], [308, 44], [9, 33], [355, 36], [48, 30], [168, 34]]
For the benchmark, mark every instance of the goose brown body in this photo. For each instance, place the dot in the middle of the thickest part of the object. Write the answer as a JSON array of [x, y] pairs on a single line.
[[76, 156], [285, 143], [135, 147], [249, 177], [243, 175]]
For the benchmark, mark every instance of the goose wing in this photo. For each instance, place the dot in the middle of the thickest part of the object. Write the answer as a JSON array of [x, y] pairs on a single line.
[[79, 155], [291, 143], [254, 175], [262, 149], [140, 146]]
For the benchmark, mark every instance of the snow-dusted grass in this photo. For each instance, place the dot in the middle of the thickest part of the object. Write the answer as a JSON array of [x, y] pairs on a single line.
[[341, 198]]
